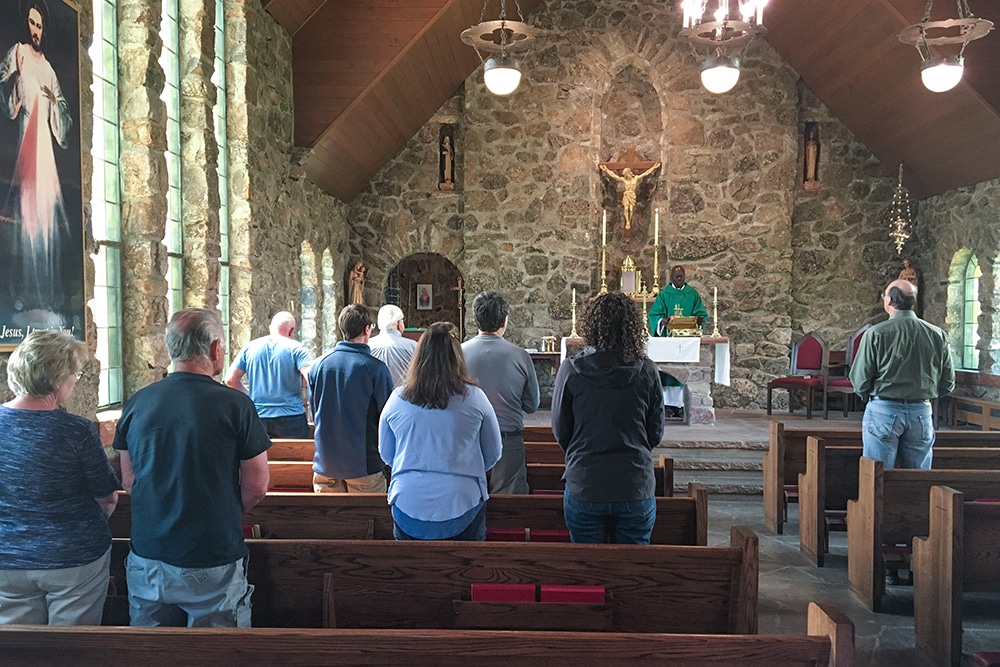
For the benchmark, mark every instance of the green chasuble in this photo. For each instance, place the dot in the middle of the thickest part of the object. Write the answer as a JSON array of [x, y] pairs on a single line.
[[669, 298]]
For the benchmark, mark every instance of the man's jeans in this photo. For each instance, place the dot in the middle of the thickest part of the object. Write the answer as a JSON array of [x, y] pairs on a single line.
[[204, 597], [900, 434], [289, 426], [629, 522]]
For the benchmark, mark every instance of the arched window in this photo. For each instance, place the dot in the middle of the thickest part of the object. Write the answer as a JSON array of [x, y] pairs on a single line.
[[970, 314]]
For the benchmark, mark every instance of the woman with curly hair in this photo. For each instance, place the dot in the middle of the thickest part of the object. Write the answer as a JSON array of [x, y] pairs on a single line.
[[439, 434], [607, 414]]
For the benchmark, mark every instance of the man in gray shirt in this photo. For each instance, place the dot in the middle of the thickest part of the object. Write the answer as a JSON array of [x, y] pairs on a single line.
[[505, 372], [389, 346]]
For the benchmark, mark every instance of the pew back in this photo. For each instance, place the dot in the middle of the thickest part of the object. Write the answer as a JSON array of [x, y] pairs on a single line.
[[681, 520], [415, 584], [831, 480], [830, 642], [786, 458], [298, 475], [892, 508], [961, 553]]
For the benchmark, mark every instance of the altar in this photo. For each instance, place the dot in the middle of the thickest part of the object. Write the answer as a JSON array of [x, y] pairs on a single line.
[[695, 362]]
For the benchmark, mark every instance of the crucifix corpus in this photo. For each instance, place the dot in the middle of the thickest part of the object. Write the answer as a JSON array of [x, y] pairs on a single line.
[[633, 169]]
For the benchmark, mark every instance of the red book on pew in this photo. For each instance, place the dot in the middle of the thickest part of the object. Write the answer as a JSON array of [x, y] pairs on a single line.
[[573, 594], [537, 535], [503, 592], [987, 500], [251, 530], [506, 535]]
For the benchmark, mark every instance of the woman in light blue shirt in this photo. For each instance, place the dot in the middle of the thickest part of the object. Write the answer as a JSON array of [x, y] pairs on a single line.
[[440, 436]]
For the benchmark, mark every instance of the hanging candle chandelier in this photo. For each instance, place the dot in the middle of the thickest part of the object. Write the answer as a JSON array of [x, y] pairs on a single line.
[[900, 218]]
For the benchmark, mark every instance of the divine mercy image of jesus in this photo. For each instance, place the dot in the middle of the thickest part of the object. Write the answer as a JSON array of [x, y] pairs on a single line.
[[41, 226]]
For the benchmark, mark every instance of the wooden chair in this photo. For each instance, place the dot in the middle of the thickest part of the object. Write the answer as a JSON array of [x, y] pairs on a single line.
[[807, 372], [842, 385]]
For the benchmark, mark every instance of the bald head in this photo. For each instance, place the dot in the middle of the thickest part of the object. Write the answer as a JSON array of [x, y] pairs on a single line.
[[899, 295], [283, 324]]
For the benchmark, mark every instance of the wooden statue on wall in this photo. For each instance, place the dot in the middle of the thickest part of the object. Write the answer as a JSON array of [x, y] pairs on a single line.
[[909, 273], [629, 164], [446, 162], [357, 283], [810, 152]]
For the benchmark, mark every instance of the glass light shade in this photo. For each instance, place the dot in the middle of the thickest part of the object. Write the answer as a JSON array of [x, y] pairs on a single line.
[[502, 74], [942, 73], [719, 74]]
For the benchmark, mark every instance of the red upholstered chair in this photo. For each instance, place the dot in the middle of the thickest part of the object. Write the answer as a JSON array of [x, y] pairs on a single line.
[[810, 359], [842, 385]]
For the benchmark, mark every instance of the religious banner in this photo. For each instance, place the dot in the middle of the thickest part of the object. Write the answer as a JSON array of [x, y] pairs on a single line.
[[41, 197]]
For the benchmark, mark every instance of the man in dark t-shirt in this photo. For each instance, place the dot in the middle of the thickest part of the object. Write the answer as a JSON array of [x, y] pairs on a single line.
[[193, 456]]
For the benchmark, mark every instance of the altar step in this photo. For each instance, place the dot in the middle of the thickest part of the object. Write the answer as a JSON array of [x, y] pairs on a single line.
[[722, 466]]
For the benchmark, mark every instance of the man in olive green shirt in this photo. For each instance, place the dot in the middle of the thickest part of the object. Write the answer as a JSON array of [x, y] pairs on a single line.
[[902, 365]]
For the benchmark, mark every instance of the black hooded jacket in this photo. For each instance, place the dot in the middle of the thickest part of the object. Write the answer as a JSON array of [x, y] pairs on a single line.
[[607, 417]]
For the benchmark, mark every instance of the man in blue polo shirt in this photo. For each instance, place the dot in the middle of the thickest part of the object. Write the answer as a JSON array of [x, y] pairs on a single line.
[[275, 366], [347, 390]]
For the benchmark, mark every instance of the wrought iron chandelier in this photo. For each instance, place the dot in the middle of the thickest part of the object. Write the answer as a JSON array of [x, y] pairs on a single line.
[[900, 214], [503, 39], [943, 72], [727, 39]]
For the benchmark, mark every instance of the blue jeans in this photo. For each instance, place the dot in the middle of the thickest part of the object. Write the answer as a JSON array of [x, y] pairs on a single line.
[[897, 433], [289, 426], [203, 597], [474, 532], [628, 522]]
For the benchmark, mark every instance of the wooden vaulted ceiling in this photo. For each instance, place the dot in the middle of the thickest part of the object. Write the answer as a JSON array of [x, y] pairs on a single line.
[[369, 73]]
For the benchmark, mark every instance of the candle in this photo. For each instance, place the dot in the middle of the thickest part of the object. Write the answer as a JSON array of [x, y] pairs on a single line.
[[574, 296], [604, 229], [716, 295], [656, 229]]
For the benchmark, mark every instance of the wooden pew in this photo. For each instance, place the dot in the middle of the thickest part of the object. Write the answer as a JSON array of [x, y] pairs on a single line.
[[961, 553], [382, 584], [830, 641], [298, 475], [831, 480], [892, 509], [288, 449], [975, 411], [679, 521], [786, 458]]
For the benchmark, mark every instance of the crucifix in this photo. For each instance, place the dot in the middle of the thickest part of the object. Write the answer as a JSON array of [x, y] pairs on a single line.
[[633, 169], [459, 289]]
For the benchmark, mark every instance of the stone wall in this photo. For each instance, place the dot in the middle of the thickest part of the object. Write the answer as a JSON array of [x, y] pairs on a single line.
[[957, 223], [272, 208], [525, 216]]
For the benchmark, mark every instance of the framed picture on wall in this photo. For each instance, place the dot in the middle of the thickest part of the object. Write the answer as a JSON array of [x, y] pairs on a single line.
[[425, 296], [41, 198]]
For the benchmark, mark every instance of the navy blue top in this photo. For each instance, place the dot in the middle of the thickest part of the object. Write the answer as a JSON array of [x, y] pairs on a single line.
[[186, 436], [52, 469], [347, 390]]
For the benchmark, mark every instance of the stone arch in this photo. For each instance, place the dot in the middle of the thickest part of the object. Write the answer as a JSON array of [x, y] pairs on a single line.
[[428, 268]]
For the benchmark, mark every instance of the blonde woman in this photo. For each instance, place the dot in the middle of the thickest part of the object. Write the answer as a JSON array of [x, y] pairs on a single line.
[[58, 491]]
